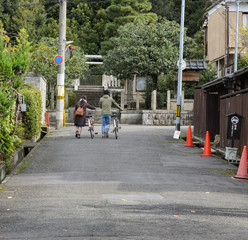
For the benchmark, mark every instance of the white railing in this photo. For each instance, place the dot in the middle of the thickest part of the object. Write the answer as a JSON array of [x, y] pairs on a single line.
[[110, 81]]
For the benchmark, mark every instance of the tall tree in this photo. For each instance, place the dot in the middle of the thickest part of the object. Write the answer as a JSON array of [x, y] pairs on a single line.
[[171, 9], [27, 14], [121, 12], [145, 49], [85, 27]]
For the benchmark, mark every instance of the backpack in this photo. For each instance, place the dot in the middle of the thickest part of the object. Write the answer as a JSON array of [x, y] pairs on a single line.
[[79, 111]]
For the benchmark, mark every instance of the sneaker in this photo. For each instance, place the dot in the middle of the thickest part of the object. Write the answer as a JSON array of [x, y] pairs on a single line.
[[76, 133], [107, 135]]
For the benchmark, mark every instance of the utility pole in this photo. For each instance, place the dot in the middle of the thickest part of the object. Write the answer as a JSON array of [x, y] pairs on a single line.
[[227, 38], [180, 66], [236, 37], [61, 67]]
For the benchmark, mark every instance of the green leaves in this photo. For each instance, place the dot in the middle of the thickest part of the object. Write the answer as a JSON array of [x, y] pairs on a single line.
[[14, 61], [123, 12], [143, 49], [43, 62], [32, 117]]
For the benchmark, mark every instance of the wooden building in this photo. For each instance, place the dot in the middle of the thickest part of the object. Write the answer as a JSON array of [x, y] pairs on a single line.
[[215, 100]]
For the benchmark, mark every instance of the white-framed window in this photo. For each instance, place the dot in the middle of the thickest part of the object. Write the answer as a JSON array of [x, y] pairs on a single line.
[[245, 20]]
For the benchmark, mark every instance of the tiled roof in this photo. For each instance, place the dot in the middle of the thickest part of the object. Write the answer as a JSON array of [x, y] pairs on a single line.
[[196, 65]]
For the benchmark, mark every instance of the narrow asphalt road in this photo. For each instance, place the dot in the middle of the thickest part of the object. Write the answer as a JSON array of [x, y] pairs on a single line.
[[143, 186]]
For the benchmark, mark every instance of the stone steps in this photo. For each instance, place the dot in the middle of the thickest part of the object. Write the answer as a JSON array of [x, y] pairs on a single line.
[[93, 93]]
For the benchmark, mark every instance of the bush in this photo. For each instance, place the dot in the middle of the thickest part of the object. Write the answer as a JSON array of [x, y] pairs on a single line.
[[72, 99], [8, 142], [32, 117]]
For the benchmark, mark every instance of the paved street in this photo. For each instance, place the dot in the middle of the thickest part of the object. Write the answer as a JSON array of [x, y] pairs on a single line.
[[143, 186]]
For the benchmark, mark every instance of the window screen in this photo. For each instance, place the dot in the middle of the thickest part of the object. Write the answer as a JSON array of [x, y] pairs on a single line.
[[245, 20]]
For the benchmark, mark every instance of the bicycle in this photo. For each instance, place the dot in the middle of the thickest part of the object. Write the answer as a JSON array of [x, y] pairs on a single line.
[[91, 125], [115, 125]]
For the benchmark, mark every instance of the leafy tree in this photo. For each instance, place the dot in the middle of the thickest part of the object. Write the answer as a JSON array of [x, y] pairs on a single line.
[[43, 55], [208, 75], [28, 14], [85, 27], [145, 49], [198, 49], [121, 12]]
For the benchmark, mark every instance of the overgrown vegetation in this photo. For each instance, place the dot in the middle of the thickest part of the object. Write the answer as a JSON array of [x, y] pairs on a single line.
[[14, 63]]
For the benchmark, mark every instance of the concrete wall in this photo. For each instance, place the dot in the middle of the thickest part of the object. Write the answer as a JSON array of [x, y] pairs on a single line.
[[40, 83]]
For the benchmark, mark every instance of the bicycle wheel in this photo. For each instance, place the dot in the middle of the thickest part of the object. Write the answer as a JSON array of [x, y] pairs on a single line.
[[116, 132], [92, 133]]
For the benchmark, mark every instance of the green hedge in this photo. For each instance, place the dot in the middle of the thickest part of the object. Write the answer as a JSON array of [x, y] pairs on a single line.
[[32, 117], [8, 141], [72, 99]]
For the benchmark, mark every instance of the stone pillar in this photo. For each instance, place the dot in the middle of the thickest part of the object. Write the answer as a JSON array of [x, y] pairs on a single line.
[[168, 101], [122, 99], [154, 100], [137, 100], [76, 84]]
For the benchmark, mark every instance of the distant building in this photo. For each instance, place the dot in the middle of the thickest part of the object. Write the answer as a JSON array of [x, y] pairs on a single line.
[[220, 28]]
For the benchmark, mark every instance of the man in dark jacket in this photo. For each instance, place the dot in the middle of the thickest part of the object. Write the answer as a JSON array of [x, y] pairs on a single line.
[[105, 104]]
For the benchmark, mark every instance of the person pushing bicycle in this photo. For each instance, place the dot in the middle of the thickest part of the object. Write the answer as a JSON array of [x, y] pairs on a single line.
[[105, 104]]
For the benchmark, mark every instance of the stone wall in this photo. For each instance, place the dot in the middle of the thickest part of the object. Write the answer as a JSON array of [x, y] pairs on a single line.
[[131, 117], [165, 117], [144, 117]]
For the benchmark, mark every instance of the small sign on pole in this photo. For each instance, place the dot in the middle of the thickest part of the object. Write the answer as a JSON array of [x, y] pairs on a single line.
[[177, 134], [58, 59]]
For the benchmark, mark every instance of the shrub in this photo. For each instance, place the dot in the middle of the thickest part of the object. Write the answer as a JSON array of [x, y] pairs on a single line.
[[8, 142], [32, 117], [72, 99]]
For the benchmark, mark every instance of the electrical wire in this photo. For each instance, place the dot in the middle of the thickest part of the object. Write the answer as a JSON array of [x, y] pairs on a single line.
[[53, 1]]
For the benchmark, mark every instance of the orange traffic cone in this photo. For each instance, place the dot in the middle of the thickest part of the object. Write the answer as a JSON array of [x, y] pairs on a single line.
[[207, 147], [242, 171], [189, 142]]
